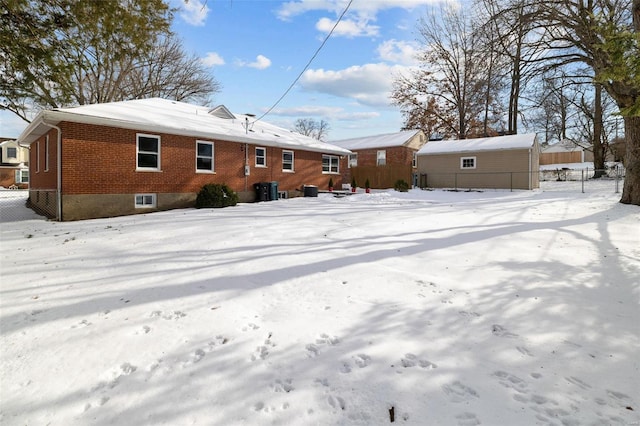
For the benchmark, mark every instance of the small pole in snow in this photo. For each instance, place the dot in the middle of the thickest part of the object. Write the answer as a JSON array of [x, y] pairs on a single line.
[[583, 180], [392, 414]]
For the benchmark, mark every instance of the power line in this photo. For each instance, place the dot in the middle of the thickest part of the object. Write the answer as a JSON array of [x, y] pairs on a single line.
[[308, 63]]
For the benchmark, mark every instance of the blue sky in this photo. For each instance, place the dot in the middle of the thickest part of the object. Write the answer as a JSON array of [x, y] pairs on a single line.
[[256, 48]]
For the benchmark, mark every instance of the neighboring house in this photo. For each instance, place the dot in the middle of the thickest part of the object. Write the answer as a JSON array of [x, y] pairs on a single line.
[[563, 153], [139, 156], [508, 162], [383, 159], [14, 164]]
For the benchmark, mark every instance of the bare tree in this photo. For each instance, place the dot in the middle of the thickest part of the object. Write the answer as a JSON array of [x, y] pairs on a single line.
[[312, 128], [454, 84]]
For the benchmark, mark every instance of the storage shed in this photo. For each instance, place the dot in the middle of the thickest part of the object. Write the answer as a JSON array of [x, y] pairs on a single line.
[[501, 162]]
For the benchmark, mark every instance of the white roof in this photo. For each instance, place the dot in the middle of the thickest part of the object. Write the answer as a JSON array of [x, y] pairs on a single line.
[[378, 141], [166, 116], [496, 143]]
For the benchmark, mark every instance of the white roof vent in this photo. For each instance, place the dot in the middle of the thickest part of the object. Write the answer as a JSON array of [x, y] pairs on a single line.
[[221, 111]]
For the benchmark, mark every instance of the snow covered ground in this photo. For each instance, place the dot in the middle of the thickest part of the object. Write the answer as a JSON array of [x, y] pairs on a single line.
[[454, 308]]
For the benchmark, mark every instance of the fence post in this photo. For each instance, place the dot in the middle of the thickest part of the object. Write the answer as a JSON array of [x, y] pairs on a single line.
[[583, 179], [617, 179], [511, 183], [455, 181]]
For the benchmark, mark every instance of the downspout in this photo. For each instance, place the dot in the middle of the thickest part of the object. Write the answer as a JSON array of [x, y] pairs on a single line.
[[59, 167]]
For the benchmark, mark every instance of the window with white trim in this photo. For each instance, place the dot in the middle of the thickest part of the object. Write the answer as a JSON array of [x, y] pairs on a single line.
[[381, 157], [287, 161], [353, 160], [330, 164], [12, 152], [414, 162], [37, 156], [147, 152], [467, 162], [204, 157], [261, 156], [145, 201], [22, 176], [46, 153]]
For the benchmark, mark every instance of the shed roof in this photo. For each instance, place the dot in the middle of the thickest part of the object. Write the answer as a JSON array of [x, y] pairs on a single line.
[[497, 143], [179, 118], [387, 140]]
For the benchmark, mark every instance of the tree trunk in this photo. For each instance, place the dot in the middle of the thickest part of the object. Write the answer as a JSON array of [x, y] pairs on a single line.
[[598, 152], [631, 189]]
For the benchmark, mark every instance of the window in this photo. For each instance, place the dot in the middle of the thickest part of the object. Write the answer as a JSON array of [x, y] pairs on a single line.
[[381, 158], [468, 162], [37, 157], [46, 153], [287, 161], [330, 164], [353, 160], [148, 152], [414, 163], [22, 176], [204, 157], [12, 152], [145, 201], [261, 157]]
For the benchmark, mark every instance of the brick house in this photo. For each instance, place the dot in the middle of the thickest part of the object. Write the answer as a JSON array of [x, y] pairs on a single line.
[[146, 155], [382, 159], [14, 164]]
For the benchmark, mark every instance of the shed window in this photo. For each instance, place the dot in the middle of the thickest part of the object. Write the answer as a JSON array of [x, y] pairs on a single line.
[[204, 157], [468, 162], [353, 160], [381, 157], [330, 164], [261, 157], [148, 152], [287, 161]]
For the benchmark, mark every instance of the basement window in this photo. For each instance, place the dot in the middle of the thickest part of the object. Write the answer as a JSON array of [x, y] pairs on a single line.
[[145, 201], [468, 162]]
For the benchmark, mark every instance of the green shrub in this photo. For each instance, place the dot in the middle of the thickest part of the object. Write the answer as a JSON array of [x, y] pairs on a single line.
[[401, 186], [330, 182], [216, 195]]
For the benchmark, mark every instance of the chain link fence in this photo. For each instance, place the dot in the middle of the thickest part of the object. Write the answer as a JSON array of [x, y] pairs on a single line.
[[15, 205]]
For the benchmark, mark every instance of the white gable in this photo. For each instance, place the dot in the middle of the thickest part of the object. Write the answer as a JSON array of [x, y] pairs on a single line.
[[496, 143]]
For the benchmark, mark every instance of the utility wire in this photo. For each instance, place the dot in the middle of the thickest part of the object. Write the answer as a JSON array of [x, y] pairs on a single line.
[[308, 63]]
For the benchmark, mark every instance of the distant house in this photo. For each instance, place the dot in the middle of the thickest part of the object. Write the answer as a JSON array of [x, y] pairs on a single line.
[[139, 156], [508, 162], [14, 164], [383, 159]]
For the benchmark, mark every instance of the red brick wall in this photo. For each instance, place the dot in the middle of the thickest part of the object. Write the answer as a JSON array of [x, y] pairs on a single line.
[[399, 162], [102, 160], [39, 176]]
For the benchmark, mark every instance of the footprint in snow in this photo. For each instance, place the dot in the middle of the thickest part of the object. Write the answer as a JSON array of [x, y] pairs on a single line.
[[467, 419], [500, 331], [411, 360], [459, 392]]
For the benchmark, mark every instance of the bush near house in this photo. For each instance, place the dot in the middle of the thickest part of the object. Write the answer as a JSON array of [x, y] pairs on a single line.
[[216, 195], [401, 185]]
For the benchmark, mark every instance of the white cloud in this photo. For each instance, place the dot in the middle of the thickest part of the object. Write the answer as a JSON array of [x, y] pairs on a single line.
[[348, 28], [213, 59], [399, 52], [363, 8], [260, 63], [193, 12], [324, 112], [369, 84]]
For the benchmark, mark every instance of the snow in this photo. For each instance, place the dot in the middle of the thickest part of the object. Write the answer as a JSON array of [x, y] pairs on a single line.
[[524, 141], [163, 115], [454, 308], [377, 141]]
